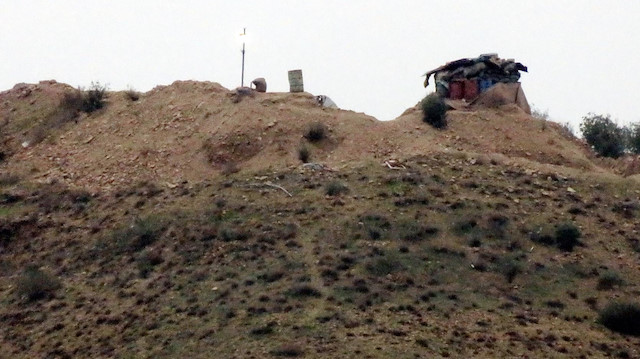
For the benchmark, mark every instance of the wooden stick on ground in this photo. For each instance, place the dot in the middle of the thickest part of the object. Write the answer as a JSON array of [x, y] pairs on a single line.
[[279, 187]]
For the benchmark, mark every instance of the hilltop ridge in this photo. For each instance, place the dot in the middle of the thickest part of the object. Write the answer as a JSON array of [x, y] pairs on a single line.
[[163, 135]]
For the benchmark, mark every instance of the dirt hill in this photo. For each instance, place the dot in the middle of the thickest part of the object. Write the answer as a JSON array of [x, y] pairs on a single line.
[[192, 131], [184, 224]]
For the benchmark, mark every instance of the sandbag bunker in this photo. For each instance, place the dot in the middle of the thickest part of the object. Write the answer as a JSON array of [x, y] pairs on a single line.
[[467, 78]]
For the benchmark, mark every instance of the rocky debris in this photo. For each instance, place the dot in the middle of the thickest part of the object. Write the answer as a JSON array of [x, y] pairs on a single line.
[[325, 101], [260, 84], [241, 92]]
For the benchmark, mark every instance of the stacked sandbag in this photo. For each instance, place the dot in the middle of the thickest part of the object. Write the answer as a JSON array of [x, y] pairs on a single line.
[[467, 78]]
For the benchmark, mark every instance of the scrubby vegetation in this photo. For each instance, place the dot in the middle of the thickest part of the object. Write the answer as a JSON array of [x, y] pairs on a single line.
[[609, 280], [132, 94], [431, 256], [316, 131], [633, 138], [621, 317], [604, 135], [304, 154], [566, 236], [135, 237], [434, 111], [405, 255], [609, 139], [93, 98], [35, 284], [72, 104], [335, 188]]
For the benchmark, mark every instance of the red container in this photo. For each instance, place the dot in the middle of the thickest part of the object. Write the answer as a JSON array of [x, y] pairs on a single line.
[[471, 89], [456, 90]]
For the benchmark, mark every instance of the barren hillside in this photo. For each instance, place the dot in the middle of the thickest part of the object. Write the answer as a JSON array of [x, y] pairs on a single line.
[[184, 224]]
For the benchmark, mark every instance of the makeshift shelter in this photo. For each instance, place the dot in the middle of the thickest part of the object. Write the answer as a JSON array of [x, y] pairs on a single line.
[[467, 79]]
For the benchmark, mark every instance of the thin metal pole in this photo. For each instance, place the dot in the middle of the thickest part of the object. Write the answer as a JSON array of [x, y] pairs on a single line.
[[244, 32]]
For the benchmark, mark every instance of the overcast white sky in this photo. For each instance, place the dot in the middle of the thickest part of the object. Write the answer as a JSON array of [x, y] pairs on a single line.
[[368, 56]]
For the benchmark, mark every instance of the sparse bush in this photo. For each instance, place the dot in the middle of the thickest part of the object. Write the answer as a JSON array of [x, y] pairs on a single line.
[[497, 225], [543, 235], [228, 234], [8, 179], [147, 261], [384, 265], [304, 154], [375, 226], [608, 280], [621, 317], [464, 226], [230, 168], [93, 98], [68, 109], [567, 236], [132, 94], [34, 284], [304, 291], [72, 103], [140, 234], [567, 131], [263, 330], [335, 188], [604, 135], [288, 351], [539, 114], [409, 230], [316, 131], [510, 267], [434, 111]]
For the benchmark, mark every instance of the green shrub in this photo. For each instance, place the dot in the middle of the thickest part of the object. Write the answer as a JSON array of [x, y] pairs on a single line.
[[335, 188], [434, 111], [604, 135], [608, 280], [34, 284], [316, 131], [633, 138], [567, 236], [621, 317]]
